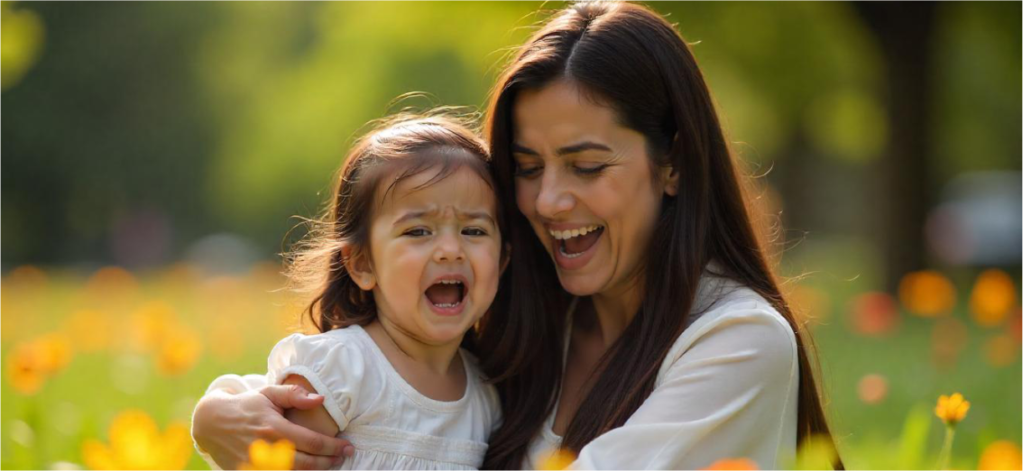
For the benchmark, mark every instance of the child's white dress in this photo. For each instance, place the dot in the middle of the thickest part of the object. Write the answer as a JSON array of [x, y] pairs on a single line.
[[390, 424]]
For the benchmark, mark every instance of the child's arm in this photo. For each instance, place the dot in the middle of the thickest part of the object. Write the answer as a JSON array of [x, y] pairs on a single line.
[[317, 418]]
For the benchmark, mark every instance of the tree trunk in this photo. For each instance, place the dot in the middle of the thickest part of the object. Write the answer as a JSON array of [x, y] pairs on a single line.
[[903, 193]]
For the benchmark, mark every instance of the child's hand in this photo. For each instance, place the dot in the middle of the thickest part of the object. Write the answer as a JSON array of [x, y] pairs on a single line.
[[225, 424]]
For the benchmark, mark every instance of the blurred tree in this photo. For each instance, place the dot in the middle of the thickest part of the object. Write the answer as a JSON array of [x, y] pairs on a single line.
[[904, 31]]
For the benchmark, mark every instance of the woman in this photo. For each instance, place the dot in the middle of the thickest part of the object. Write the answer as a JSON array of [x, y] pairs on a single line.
[[677, 349]]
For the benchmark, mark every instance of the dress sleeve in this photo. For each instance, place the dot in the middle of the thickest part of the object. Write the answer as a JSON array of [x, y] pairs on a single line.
[[334, 367], [728, 393]]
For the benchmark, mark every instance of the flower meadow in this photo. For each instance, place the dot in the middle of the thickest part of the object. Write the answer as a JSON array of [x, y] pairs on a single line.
[[103, 367]]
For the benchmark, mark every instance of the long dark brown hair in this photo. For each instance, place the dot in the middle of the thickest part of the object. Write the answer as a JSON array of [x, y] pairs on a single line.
[[396, 148], [628, 58]]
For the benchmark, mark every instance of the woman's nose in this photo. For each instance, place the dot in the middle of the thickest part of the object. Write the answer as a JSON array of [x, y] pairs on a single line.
[[448, 249], [553, 198]]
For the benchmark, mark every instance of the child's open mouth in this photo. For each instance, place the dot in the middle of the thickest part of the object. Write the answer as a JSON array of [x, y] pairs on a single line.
[[446, 296]]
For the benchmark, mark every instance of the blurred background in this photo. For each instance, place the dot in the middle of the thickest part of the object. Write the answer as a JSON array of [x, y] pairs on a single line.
[[155, 155]]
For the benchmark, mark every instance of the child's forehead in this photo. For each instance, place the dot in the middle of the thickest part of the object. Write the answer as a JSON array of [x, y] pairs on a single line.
[[462, 192]]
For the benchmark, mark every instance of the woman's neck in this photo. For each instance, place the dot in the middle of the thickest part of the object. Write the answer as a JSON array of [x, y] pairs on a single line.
[[615, 308]]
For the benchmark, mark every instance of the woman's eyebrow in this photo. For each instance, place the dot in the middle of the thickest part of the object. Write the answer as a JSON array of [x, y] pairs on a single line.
[[521, 149], [582, 146], [572, 149]]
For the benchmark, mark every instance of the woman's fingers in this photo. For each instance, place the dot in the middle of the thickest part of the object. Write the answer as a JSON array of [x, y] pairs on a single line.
[[307, 461], [292, 396], [311, 442]]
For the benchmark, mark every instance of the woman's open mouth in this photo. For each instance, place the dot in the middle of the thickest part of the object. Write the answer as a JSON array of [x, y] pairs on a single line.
[[446, 296], [574, 248]]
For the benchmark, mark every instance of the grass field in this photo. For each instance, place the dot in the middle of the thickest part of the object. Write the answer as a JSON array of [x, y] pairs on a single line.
[[81, 348]]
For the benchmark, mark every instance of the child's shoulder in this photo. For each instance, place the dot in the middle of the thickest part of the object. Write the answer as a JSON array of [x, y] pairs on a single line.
[[346, 345]]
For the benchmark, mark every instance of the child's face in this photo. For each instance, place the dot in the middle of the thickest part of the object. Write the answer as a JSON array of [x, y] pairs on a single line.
[[435, 255]]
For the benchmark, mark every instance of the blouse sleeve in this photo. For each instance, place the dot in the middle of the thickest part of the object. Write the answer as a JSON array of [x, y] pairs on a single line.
[[728, 393], [335, 369]]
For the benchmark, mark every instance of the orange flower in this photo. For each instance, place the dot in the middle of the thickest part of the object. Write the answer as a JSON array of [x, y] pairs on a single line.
[[263, 455], [149, 326], [1001, 454], [872, 389], [992, 298], [952, 409], [874, 314], [733, 463], [927, 293], [90, 329], [55, 349], [557, 460], [25, 368], [178, 352], [1001, 350], [136, 443]]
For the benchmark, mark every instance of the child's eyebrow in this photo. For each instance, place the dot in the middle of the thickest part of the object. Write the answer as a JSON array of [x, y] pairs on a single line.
[[485, 215], [414, 215], [478, 215]]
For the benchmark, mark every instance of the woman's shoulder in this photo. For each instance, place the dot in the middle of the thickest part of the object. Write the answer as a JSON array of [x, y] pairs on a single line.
[[738, 319]]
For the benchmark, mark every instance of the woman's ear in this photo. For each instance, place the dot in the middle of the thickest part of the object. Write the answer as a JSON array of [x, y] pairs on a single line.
[[357, 264], [670, 178]]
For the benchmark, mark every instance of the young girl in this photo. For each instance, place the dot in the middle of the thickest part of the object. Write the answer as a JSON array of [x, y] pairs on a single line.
[[403, 266]]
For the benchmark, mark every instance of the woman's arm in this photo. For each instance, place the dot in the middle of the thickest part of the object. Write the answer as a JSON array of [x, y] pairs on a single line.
[[729, 391], [229, 418]]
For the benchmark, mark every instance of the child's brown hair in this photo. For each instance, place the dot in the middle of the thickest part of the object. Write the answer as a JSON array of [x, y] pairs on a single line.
[[398, 148]]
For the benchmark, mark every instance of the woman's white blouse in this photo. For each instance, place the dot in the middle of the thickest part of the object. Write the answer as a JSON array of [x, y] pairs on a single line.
[[727, 389], [390, 424]]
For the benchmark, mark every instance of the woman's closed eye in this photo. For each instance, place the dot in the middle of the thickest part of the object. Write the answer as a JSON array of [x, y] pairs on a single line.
[[589, 169], [527, 171]]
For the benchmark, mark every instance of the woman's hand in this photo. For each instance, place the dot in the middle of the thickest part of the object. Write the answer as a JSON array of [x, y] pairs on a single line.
[[225, 424]]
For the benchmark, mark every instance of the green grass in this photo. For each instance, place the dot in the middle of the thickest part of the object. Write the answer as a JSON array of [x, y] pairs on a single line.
[[79, 402]]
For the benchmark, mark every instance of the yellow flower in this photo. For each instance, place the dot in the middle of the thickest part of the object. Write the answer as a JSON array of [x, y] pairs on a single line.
[[557, 460], [25, 368], [733, 463], [178, 352], [1001, 454], [149, 326], [136, 443], [55, 349], [952, 409], [263, 455], [992, 298], [89, 329], [927, 293]]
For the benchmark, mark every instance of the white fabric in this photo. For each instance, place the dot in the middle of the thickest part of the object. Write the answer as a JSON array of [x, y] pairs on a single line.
[[390, 424], [727, 389]]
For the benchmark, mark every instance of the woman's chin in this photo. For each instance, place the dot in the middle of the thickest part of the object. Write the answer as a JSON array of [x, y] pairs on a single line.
[[579, 284]]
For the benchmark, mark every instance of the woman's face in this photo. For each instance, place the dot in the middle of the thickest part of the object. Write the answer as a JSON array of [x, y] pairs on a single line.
[[585, 183]]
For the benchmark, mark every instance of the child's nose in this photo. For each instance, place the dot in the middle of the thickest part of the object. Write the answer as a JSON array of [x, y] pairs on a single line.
[[449, 249]]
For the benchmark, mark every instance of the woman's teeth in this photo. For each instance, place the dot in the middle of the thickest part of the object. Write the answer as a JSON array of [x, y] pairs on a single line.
[[568, 234]]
